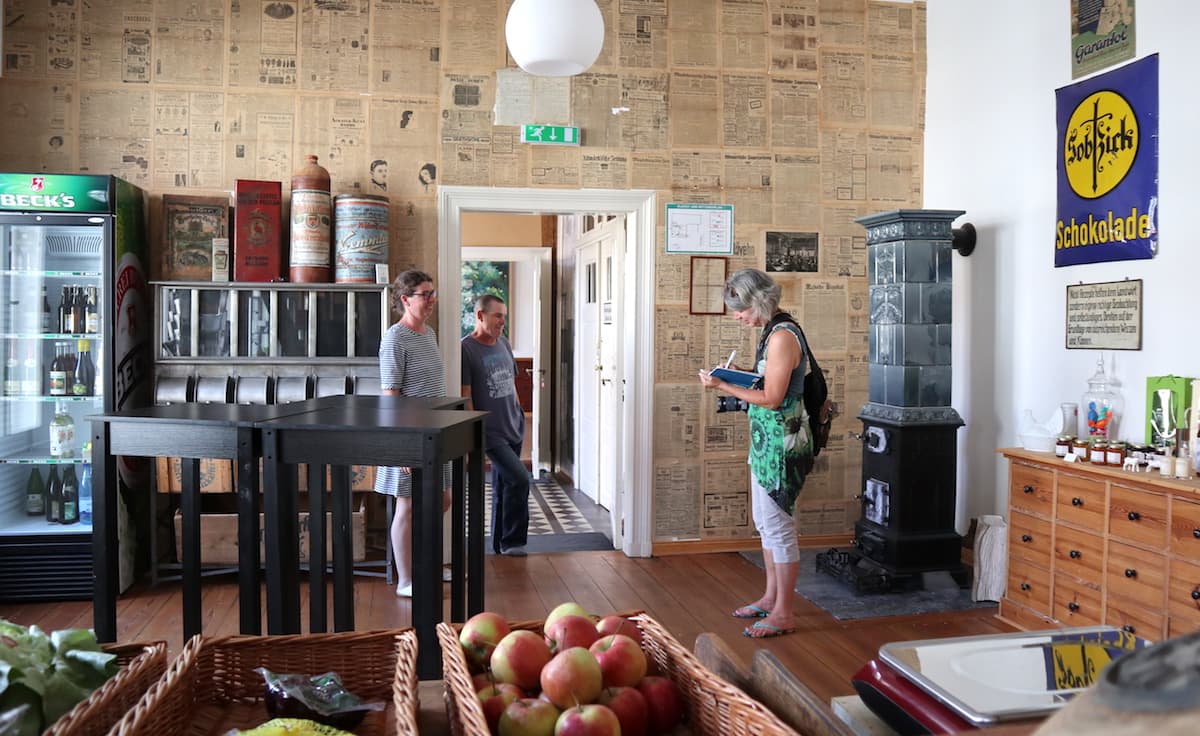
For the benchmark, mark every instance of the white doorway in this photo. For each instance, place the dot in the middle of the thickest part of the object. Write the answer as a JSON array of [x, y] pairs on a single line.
[[532, 277], [633, 370]]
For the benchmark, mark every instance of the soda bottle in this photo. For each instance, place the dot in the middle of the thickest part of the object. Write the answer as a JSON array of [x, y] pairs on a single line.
[[62, 432], [30, 381], [70, 496], [85, 494], [45, 311], [85, 371], [58, 370], [92, 312], [53, 496], [35, 494], [12, 373]]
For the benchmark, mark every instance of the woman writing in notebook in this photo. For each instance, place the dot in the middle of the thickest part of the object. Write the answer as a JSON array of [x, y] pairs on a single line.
[[780, 442]]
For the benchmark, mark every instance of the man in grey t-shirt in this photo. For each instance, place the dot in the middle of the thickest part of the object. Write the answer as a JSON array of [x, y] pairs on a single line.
[[489, 382]]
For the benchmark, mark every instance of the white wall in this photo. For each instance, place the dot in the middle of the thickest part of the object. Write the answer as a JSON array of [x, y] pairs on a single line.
[[990, 150]]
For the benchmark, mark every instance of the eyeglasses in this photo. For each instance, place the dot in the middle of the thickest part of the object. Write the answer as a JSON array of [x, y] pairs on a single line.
[[431, 294]]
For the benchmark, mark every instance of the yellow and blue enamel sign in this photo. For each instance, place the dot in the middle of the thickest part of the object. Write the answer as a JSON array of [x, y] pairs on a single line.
[[1107, 177]]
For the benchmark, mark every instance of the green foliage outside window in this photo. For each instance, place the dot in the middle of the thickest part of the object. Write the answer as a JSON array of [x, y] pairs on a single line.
[[479, 278]]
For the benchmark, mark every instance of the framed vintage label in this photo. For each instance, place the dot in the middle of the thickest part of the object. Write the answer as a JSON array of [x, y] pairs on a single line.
[[1105, 316], [707, 290]]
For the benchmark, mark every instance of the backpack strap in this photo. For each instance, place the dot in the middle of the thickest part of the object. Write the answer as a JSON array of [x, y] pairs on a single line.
[[766, 335]]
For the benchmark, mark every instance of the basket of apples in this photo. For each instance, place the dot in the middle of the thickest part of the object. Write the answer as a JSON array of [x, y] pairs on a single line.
[[576, 675]]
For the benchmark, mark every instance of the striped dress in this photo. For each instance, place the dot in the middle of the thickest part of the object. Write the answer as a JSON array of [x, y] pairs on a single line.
[[410, 363]]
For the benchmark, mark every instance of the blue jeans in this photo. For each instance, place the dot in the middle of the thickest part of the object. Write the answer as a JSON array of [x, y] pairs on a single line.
[[510, 497]]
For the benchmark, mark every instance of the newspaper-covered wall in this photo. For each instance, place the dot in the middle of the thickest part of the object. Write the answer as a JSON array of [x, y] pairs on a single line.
[[802, 114]]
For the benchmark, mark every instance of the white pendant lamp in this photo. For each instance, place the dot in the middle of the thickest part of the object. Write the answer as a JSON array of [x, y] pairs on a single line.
[[554, 38]]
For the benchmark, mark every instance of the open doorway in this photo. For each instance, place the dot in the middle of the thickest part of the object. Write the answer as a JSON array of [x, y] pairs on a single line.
[[632, 303]]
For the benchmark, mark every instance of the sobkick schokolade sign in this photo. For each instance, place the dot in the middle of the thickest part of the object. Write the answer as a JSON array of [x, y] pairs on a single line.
[[1107, 177]]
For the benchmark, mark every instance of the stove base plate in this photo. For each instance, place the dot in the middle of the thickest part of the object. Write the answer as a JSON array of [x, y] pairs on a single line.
[[865, 575]]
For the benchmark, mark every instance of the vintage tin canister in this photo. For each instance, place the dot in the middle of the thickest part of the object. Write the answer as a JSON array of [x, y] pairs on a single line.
[[360, 237]]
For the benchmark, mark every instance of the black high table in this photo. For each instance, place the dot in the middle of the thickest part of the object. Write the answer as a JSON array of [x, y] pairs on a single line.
[[379, 433]]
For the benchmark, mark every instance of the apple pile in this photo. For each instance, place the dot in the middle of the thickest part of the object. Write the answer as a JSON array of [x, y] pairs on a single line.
[[581, 678]]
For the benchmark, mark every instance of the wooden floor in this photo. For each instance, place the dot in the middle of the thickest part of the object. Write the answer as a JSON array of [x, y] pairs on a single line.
[[688, 594]]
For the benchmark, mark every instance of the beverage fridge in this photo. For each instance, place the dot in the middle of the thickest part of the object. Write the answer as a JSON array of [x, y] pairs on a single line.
[[75, 325]]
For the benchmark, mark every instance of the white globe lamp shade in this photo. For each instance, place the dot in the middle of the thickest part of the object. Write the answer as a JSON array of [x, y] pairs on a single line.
[[554, 38]]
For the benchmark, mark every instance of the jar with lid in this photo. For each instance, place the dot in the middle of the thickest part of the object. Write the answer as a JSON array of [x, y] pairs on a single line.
[[1099, 451], [1115, 455], [1079, 447], [1062, 446], [1141, 452], [1102, 405]]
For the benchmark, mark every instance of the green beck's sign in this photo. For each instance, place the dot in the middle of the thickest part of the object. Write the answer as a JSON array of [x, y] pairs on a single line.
[[555, 135], [55, 193]]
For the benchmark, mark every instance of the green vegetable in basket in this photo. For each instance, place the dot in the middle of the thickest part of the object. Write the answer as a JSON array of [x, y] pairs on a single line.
[[44, 676], [293, 727]]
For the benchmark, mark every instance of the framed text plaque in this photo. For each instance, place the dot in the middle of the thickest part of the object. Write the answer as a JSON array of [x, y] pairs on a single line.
[[1105, 316]]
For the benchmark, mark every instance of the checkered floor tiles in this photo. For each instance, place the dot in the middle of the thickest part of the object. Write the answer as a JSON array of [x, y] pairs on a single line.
[[551, 510]]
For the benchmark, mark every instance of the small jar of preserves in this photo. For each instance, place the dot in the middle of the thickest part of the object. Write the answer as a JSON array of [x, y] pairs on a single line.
[[1141, 452], [1098, 452], [1115, 455], [1079, 446], [1062, 447]]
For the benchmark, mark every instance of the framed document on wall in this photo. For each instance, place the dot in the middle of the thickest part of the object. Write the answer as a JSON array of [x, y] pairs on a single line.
[[707, 292]]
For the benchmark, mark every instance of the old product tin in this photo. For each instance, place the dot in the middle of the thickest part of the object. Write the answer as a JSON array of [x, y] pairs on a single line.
[[309, 260], [360, 237]]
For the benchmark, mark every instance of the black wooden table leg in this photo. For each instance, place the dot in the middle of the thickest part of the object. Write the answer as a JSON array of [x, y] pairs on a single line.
[[458, 512], [282, 540], [189, 508], [104, 535], [316, 549], [475, 524], [427, 560], [249, 595], [343, 551]]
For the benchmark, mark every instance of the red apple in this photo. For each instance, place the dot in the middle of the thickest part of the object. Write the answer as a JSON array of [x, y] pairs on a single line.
[[528, 717], [572, 677], [663, 702], [615, 624], [482, 680], [479, 637], [630, 706], [588, 720], [495, 698], [570, 631], [570, 608], [519, 659], [621, 660]]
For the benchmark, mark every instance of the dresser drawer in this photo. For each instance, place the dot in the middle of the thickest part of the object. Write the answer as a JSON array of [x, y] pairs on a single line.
[[1029, 538], [1136, 574], [1076, 604], [1183, 598], [1029, 585], [1135, 619], [1185, 528], [1079, 554], [1080, 501], [1137, 516], [1031, 488]]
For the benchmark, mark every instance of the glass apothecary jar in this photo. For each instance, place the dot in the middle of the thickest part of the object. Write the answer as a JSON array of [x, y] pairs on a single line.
[[1102, 406]]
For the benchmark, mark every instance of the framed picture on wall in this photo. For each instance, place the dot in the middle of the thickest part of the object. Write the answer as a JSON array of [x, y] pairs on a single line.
[[707, 291]]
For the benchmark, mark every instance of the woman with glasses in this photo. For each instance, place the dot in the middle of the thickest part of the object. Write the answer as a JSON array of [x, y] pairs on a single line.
[[410, 364]]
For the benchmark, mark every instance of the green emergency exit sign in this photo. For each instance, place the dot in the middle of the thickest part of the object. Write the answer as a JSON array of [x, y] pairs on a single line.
[[555, 135]]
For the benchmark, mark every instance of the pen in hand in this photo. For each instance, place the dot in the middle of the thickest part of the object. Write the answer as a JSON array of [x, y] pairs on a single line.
[[730, 361]]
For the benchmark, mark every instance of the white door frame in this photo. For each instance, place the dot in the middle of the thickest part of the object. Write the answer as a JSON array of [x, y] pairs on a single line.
[[638, 205], [540, 431]]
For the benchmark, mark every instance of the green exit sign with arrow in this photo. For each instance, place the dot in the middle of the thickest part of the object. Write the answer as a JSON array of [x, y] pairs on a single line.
[[554, 135]]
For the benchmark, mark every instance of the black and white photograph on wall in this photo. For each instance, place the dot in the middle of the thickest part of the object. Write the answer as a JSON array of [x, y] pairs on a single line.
[[795, 252]]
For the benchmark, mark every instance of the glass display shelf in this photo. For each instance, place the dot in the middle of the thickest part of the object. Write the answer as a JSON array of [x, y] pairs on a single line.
[[52, 399], [51, 274], [37, 525], [41, 456], [95, 336]]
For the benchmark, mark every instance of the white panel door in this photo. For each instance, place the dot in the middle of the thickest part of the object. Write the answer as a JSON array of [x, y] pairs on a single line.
[[587, 377], [609, 445]]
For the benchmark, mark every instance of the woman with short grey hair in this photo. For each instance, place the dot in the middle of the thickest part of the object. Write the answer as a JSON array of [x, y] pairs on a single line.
[[781, 448]]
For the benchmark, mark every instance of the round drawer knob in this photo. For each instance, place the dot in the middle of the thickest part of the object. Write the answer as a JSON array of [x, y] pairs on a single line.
[[1134, 516], [1028, 489], [1026, 538], [1196, 533], [1128, 629], [1130, 572], [1026, 586], [1077, 501], [1072, 606], [1196, 594], [1075, 554]]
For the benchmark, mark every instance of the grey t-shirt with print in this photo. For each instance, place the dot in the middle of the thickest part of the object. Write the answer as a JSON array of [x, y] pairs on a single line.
[[490, 371]]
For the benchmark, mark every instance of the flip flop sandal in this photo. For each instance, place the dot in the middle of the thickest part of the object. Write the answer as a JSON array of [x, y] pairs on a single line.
[[750, 612], [762, 630]]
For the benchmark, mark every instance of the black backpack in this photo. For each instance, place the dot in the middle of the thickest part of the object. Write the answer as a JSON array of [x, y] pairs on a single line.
[[821, 409]]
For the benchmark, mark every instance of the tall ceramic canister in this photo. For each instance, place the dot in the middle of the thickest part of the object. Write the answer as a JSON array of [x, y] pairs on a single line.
[[360, 237], [311, 219]]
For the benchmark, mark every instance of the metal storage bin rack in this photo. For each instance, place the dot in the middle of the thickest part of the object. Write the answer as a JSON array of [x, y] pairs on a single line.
[[264, 343]]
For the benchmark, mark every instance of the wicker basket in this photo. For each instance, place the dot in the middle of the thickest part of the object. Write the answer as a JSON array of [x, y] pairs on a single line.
[[714, 707], [212, 687], [141, 665]]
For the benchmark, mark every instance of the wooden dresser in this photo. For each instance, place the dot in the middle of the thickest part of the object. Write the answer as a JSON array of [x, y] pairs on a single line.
[[1090, 544]]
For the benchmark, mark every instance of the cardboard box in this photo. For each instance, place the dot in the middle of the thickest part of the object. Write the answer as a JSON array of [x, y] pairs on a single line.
[[216, 476], [257, 231], [362, 478], [218, 538], [189, 226]]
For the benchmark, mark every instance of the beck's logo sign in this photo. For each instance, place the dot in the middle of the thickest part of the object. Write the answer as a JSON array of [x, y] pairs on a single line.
[[1100, 145], [38, 183]]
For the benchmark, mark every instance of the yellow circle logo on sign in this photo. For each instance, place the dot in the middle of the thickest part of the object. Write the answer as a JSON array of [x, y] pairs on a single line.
[[1101, 144]]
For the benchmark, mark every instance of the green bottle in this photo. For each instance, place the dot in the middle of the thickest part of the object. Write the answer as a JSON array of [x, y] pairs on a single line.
[[35, 494]]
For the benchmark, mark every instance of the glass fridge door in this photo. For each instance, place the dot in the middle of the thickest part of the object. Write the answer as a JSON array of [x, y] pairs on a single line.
[[52, 297]]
